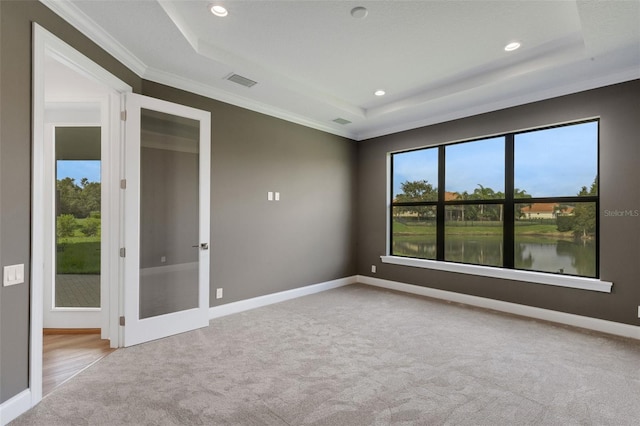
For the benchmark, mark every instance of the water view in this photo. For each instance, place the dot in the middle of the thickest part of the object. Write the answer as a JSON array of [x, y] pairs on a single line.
[[571, 256]]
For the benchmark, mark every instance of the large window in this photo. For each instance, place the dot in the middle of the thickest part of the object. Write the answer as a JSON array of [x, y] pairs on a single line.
[[525, 200]]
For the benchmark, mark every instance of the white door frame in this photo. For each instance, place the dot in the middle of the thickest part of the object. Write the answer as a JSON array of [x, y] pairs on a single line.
[[45, 44]]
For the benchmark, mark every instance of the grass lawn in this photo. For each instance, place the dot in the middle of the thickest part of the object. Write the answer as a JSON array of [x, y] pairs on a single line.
[[78, 254], [478, 228], [537, 229], [416, 228]]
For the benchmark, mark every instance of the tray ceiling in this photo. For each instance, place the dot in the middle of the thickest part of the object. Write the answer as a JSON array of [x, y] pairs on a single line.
[[313, 62]]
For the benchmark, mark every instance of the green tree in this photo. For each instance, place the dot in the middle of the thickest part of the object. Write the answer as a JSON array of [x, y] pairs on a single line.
[[487, 212], [520, 194], [419, 190], [65, 225], [77, 200], [68, 196], [89, 197], [584, 222], [564, 223], [91, 227]]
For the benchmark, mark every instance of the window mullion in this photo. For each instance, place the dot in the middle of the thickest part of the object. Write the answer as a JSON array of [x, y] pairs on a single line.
[[391, 201], [508, 217], [440, 208]]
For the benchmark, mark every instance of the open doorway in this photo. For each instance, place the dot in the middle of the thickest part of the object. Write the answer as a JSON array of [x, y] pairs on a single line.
[[71, 91], [75, 287], [76, 213], [75, 290]]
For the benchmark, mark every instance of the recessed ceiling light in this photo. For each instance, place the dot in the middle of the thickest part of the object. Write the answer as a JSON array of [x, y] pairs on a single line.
[[359, 12], [512, 46], [218, 10], [379, 93]]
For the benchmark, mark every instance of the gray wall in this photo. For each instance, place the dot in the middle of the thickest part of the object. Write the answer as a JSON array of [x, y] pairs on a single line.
[[168, 207], [619, 109], [257, 247], [16, 18]]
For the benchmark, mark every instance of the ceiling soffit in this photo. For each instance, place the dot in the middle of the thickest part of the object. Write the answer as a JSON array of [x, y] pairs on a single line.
[[315, 63]]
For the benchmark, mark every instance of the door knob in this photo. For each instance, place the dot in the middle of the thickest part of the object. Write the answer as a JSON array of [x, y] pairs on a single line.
[[202, 246]]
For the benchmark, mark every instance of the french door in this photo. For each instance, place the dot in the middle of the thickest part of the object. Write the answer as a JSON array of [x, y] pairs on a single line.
[[166, 219]]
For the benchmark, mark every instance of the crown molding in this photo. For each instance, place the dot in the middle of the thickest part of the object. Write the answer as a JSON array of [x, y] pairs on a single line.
[[87, 26], [178, 82], [74, 16]]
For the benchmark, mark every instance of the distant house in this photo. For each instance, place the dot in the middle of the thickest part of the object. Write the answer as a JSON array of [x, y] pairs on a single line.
[[450, 196], [420, 212], [454, 212], [546, 211]]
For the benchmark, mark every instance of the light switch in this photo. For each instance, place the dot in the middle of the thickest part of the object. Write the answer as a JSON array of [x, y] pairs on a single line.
[[269, 196], [277, 196], [13, 274]]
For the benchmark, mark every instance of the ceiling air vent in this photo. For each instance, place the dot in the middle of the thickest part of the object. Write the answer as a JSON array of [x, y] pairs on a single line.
[[341, 121], [243, 81]]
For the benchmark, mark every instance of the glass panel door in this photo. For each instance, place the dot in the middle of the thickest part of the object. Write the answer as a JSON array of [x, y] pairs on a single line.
[[169, 241], [166, 219]]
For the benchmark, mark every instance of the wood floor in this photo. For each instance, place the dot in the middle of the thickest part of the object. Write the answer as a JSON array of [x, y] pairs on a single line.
[[65, 355]]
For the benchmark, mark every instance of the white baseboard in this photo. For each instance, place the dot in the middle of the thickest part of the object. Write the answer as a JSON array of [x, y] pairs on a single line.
[[604, 326], [269, 299], [12, 408]]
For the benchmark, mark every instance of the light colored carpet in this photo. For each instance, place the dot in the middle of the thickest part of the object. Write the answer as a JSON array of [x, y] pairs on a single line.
[[358, 355]]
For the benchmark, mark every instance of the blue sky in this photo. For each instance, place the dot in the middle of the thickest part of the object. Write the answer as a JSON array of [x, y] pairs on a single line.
[[548, 163], [415, 165], [557, 162], [77, 169], [474, 163]]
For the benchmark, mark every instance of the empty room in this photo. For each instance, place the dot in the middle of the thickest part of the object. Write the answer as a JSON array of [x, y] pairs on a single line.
[[320, 212]]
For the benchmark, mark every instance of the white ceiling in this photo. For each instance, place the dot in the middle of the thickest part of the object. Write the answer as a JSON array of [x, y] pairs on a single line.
[[437, 60]]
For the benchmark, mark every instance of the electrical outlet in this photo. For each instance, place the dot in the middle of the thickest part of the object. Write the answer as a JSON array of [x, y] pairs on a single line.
[[163, 259], [218, 293], [373, 268]]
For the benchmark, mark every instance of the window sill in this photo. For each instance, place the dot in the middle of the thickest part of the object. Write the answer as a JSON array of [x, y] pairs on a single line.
[[582, 283]]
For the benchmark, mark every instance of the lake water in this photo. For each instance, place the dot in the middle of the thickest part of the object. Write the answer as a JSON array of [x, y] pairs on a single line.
[[573, 257]]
